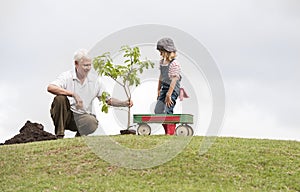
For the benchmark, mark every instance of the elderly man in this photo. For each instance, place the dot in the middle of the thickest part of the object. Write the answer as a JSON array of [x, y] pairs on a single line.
[[75, 91]]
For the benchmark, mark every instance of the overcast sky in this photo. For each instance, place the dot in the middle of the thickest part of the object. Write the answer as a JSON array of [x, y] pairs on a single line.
[[255, 43]]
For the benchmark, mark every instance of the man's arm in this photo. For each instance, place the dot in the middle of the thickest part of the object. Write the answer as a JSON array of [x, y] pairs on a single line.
[[56, 90], [117, 103]]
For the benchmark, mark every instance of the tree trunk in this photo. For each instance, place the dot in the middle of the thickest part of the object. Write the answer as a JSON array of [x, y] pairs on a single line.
[[128, 118]]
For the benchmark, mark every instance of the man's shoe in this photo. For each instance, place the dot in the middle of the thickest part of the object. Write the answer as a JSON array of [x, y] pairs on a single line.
[[77, 134], [59, 136]]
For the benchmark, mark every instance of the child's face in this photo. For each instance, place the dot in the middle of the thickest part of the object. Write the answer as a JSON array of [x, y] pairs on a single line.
[[162, 54]]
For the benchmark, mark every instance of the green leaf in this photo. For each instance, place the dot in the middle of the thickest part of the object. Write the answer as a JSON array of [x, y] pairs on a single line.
[[141, 70], [137, 82], [104, 108]]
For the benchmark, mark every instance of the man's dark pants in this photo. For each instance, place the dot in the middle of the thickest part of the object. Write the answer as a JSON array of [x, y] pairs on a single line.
[[64, 119]]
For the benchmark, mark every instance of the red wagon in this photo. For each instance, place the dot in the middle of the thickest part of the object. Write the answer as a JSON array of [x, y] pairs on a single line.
[[183, 119]]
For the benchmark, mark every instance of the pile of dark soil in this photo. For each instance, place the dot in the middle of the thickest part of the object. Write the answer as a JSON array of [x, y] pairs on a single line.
[[30, 132]]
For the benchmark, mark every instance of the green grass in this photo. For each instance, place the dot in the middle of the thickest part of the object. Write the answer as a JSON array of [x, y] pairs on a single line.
[[231, 164]]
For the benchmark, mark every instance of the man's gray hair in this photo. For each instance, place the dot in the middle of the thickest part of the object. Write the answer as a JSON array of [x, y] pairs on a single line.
[[81, 54]]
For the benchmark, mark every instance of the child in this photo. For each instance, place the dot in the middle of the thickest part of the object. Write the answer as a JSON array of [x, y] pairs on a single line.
[[169, 81]]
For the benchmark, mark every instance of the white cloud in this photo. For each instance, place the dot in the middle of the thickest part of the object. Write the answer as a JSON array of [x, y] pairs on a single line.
[[255, 43], [8, 109], [259, 111]]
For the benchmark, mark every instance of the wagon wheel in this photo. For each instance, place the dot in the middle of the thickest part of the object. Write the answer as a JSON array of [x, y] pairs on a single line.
[[144, 129], [191, 130], [182, 130]]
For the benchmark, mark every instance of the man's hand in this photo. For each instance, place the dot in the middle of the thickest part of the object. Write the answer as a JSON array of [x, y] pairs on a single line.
[[79, 103], [129, 103]]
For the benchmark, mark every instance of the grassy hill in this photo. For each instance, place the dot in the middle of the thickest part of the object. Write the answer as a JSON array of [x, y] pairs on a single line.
[[231, 164]]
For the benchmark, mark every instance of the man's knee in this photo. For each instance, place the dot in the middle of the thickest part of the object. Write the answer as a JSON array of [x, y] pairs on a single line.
[[89, 126], [60, 103], [59, 99], [93, 125]]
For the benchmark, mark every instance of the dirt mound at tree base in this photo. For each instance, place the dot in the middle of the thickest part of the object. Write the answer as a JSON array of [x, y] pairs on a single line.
[[30, 132]]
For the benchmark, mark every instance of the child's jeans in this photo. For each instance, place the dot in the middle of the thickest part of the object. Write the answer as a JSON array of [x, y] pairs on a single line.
[[161, 107]]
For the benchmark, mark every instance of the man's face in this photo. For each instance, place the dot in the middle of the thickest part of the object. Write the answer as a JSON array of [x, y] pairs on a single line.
[[83, 67]]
